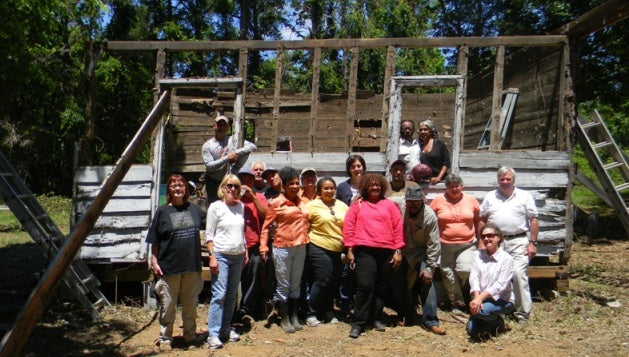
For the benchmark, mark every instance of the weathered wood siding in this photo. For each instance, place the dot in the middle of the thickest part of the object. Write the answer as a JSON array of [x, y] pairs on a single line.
[[536, 73], [119, 233], [193, 110]]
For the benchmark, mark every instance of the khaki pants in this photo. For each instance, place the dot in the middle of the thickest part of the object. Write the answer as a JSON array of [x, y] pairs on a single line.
[[456, 264], [185, 288]]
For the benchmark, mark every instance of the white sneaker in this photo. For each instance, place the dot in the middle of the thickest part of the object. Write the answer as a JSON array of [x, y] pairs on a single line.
[[312, 321], [233, 336], [214, 343]]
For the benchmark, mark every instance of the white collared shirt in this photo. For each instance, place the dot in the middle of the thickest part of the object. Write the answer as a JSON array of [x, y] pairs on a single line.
[[493, 273], [511, 214], [409, 152]]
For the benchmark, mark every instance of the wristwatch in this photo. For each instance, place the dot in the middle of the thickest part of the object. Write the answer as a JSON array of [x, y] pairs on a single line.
[[398, 251], [534, 242]]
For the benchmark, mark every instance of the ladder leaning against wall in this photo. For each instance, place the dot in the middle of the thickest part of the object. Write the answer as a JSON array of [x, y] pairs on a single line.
[[608, 161], [24, 205]]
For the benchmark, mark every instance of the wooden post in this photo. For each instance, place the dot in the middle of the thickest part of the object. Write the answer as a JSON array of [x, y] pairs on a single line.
[[276, 97], [351, 95], [395, 118], [562, 129], [243, 59], [14, 340], [386, 95], [314, 97], [459, 119], [461, 69], [496, 104]]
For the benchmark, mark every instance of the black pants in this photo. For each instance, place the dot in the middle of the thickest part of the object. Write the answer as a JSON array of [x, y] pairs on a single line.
[[324, 271], [399, 290], [211, 189], [373, 277], [252, 302]]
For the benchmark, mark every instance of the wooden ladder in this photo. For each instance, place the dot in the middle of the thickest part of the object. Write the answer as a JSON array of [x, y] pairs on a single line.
[[18, 197], [605, 158], [508, 105]]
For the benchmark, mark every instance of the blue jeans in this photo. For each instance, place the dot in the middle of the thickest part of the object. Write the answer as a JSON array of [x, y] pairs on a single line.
[[428, 297], [488, 316], [289, 265], [252, 302], [224, 292]]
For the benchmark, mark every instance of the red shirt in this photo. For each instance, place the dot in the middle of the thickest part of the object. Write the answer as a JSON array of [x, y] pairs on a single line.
[[253, 222], [377, 225]]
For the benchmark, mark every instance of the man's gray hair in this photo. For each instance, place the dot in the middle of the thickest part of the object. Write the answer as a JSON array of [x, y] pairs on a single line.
[[453, 178], [503, 170], [259, 162]]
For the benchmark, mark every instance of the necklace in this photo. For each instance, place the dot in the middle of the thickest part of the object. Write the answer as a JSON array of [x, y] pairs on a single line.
[[331, 207]]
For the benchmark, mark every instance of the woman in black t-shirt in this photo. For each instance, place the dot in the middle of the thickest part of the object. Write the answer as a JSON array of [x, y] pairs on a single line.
[[175, 241]]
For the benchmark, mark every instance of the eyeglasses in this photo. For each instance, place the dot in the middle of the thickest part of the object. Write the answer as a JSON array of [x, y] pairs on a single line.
[[232, 186], [488, 235], [177, 185]]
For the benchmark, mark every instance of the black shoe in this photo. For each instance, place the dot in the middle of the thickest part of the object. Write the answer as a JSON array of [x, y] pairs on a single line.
[[378, 326], [355, 331]]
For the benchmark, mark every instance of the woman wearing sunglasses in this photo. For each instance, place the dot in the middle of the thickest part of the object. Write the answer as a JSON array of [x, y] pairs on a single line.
[[225, 239], [490, 286]]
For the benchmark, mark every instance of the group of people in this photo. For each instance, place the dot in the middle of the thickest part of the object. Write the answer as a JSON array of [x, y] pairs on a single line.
[[305, 243]]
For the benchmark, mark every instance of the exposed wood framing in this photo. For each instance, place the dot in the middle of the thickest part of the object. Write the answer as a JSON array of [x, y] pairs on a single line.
[[461, 69], [314, 97], [457, 134], [561, 129], [279, 59], [496, 104], [243, 65], [389, 69], [351, 94], [608, 13], [472, 41], [14, 340]]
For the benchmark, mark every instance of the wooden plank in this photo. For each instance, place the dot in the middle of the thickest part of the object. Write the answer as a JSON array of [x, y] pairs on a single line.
[[389, 70], [562, 129], [97, 174], [375, 161], [606, 14], [406, 42], [523, 180], [527, 159], [458, 125], [461, 69], [88, 192], [217, 82], [314, 109], [276, 96], [119, 205], [14, 340], [548, 271], [351, 91], [142, 220], [496, 105]]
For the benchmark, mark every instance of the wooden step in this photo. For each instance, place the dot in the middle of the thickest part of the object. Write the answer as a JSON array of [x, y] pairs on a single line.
[[590, 124], [612, 165], [621, 187], [602, 144]]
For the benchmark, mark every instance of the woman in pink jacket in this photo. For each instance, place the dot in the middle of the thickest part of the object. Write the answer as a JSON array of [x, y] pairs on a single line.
[[373, 234]]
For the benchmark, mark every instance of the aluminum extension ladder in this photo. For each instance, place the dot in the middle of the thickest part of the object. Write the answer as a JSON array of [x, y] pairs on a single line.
[[506, 113], [18, 197], [607, 160]]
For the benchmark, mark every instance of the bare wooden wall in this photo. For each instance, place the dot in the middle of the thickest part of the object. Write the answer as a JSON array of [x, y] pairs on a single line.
[[537, 74], [193, 110]]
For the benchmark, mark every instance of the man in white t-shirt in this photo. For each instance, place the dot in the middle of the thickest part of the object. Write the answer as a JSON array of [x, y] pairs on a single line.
[[513, 210]]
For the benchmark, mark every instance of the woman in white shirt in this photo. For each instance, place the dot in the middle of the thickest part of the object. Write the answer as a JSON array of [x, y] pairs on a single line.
[[225, 239], [490, 286]]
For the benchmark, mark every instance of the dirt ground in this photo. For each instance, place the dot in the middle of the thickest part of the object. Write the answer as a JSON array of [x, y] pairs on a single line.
[[590, 320]]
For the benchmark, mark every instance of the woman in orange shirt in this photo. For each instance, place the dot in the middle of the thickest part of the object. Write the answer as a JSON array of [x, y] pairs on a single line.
[[289, 215], [459, 217]]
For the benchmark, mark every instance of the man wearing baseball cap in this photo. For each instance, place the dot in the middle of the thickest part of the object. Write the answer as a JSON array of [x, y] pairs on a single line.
[[422, 253], [221, 156]]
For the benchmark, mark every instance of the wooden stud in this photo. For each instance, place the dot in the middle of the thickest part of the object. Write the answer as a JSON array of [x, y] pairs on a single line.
[[314, 97], [276, 96], [461, 69], [389, 69], [351, 95], [496, 106]]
